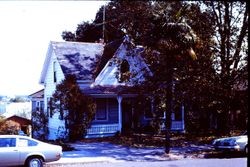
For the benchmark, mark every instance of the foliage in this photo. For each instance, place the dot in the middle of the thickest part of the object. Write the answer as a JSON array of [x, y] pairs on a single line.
[[75, 108], [39, 124], [7, 127], [18, 99], [230, 53], [121, 17], [173, 32]]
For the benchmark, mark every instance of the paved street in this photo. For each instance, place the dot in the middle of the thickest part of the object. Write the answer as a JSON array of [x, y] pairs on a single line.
[[234, 162], [106, 154]]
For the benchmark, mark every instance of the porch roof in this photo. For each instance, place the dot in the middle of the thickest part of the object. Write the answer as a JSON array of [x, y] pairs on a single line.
[[109, 90]]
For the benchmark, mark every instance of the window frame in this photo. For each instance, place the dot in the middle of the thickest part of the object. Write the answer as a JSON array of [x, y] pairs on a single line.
[[54, 72], [106, 110], [9, 143], [150, 110]]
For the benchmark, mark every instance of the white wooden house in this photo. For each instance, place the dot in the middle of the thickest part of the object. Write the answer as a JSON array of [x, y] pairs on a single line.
[[95, 66]]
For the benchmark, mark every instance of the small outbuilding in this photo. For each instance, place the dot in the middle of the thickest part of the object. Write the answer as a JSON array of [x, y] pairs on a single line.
[[22, 125]]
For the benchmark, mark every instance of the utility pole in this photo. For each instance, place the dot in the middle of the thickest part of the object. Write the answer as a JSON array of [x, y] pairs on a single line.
[[103, 25], [169, 108]]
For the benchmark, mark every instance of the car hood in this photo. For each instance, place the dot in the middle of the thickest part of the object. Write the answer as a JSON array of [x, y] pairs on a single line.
[[231, 138]]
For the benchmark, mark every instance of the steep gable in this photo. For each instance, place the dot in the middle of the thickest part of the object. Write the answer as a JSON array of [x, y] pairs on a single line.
[[130, 54], [108, 53]]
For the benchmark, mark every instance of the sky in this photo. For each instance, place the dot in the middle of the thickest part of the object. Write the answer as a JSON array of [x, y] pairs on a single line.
[[26, 28]]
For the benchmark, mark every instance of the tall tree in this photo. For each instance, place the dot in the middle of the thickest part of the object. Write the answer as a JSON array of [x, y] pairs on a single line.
[[121, 17], [230, 51], [167, 29], [174, 40], [160, 27]]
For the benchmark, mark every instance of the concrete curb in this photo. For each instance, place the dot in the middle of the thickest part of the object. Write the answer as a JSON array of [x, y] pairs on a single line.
[[84, 160]]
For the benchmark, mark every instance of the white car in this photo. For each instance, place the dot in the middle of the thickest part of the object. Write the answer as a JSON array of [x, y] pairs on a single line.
[[235, 143], [22, 150]]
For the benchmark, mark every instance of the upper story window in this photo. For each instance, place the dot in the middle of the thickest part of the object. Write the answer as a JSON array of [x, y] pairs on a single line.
[[124, 71], [54, 71]]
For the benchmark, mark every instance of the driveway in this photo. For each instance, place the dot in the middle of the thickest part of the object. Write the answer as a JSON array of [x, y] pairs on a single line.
[[107, 152]]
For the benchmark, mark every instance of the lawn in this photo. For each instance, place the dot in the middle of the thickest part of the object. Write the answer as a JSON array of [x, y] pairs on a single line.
[[149, 140]]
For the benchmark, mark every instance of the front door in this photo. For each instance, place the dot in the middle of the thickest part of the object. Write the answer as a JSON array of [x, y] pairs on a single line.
[[127, 115]]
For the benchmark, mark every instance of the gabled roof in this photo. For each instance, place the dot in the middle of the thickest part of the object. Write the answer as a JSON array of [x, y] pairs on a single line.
[[108, 53], [109, 90], [77, 58], [38, 94], [130, 53], [21, 120], [96, 63]]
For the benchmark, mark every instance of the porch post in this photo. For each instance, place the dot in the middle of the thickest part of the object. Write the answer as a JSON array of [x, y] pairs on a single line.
[[119, 99], [182, 117]]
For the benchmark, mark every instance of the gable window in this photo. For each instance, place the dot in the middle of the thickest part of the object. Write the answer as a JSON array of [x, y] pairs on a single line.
[[124, 71], [101, 110], [54, 71]]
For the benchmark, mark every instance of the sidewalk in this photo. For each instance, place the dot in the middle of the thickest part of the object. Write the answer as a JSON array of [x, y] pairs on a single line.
[[107, 152]]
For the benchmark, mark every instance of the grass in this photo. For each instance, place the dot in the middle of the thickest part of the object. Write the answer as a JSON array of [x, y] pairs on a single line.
[[149, 140]]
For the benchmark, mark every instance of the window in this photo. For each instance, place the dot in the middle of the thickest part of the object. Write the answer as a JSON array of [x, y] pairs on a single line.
[[159, 107], [101, 110], [148, 109], [37, 105], [7, 142], [124, 66], [49, 111], [178, 112], [41, 105], [61, 112], [26, 142], [124, 71], [54, 71]]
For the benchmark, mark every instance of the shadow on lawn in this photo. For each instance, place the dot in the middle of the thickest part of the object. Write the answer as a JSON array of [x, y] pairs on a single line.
[[117, 152]]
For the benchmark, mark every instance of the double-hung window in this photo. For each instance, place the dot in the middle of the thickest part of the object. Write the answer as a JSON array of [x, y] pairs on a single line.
[[101, 110]]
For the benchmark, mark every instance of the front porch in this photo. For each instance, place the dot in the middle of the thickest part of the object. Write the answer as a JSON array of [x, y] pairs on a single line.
[[111, 129], [102, 130], [121, 114]]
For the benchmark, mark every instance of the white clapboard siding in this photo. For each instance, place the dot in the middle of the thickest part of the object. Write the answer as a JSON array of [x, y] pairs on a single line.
[[50, 87]]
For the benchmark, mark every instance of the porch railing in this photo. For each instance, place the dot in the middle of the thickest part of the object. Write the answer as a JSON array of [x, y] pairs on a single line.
[[103, 129], [175, 126]]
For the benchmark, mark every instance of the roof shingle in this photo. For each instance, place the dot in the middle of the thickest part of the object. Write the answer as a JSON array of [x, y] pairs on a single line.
[[78, 58]]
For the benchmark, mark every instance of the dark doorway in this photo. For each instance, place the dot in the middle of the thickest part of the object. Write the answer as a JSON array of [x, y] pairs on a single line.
[[127, 116]]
